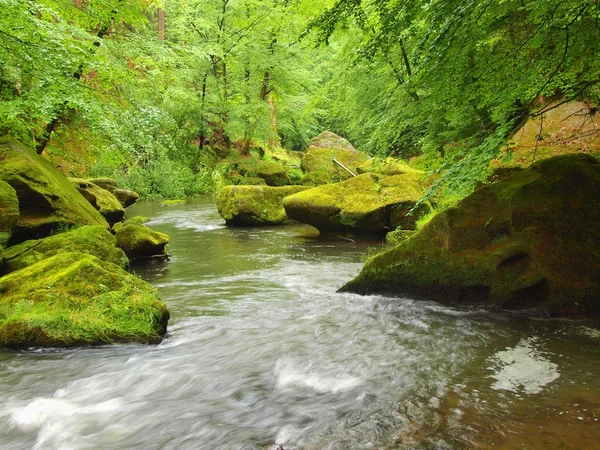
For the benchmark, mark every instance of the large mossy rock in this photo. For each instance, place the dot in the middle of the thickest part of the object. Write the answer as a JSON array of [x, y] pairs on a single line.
[[101, 199], [314, 179], [327, 139], [47, 200], [366, 204], [124, 196], [324, 149], [254, 205], [140, 242], [9, 212], [73, 299], [387, 166], [531, 241], [91, 240], [273, 173]]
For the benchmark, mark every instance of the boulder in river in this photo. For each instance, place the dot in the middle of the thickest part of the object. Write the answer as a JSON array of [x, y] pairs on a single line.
[[47, 200], [366, 204], [124, 196], [140, 242], [9, 212], [531, 241], [74, 299], [324, 149], [91, 240], [101, 199], [254, 205]]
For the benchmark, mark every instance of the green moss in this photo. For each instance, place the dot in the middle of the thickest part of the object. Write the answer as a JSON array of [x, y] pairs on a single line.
[[397, 236], [9, 212], [47, 200], [529, 241], [364, 204], [139, 241], [76, 299], [321, 160], [124, 196], [101, 199], [92, 240], [315, 179], [327, 139], [388, 167], [254, 205]]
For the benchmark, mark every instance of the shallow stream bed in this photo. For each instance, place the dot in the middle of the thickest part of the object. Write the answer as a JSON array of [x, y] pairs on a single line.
[[262, 352]]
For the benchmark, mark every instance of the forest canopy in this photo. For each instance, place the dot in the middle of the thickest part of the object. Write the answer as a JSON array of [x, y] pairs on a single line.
[[154, 92]]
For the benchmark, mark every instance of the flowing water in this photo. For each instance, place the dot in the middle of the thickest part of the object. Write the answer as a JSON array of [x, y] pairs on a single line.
[[262, 352]]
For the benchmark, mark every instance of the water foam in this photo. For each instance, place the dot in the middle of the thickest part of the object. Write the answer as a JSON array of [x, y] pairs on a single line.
[[290, 376]]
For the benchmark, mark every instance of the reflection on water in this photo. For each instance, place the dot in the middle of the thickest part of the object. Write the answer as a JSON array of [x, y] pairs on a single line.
[[262, 351]]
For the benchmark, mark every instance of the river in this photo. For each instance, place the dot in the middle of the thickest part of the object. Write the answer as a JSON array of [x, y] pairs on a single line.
[[262, 351]]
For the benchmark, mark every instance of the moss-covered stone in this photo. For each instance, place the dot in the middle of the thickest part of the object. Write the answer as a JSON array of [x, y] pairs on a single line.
[[314, 179], [91, 240], [321, 160], [140, 242], [9, 212], [387, 166], [101, 199], [529, 241], [273, 173], [254, 205], [74, 299], [366, 204], [397, 236], [327, 139], [324, 149], [47, 200], [124, 196]]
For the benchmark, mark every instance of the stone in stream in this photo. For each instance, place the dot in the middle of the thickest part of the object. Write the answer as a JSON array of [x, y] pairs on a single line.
[[48, 202], [254, 205], [124, 196], [324, 149], [531, 241], [366, 204], [9, 212], [91, 240], [140, 242], [74, 299], [101, 199]]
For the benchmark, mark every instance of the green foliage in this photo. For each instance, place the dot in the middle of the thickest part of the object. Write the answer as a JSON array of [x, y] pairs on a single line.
[[452, 78]]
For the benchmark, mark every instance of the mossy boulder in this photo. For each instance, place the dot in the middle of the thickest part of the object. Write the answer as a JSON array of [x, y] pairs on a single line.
[[9, 212], [254, 205], [47, 200], [101, 199], [327, 139], [314, 179], [324, 149], [124, 196], [91, 240], [531, 241], [140, 242], [387, 166], [273, 173], [74, 299], [397, 236], [366, 204], [321, 160]]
